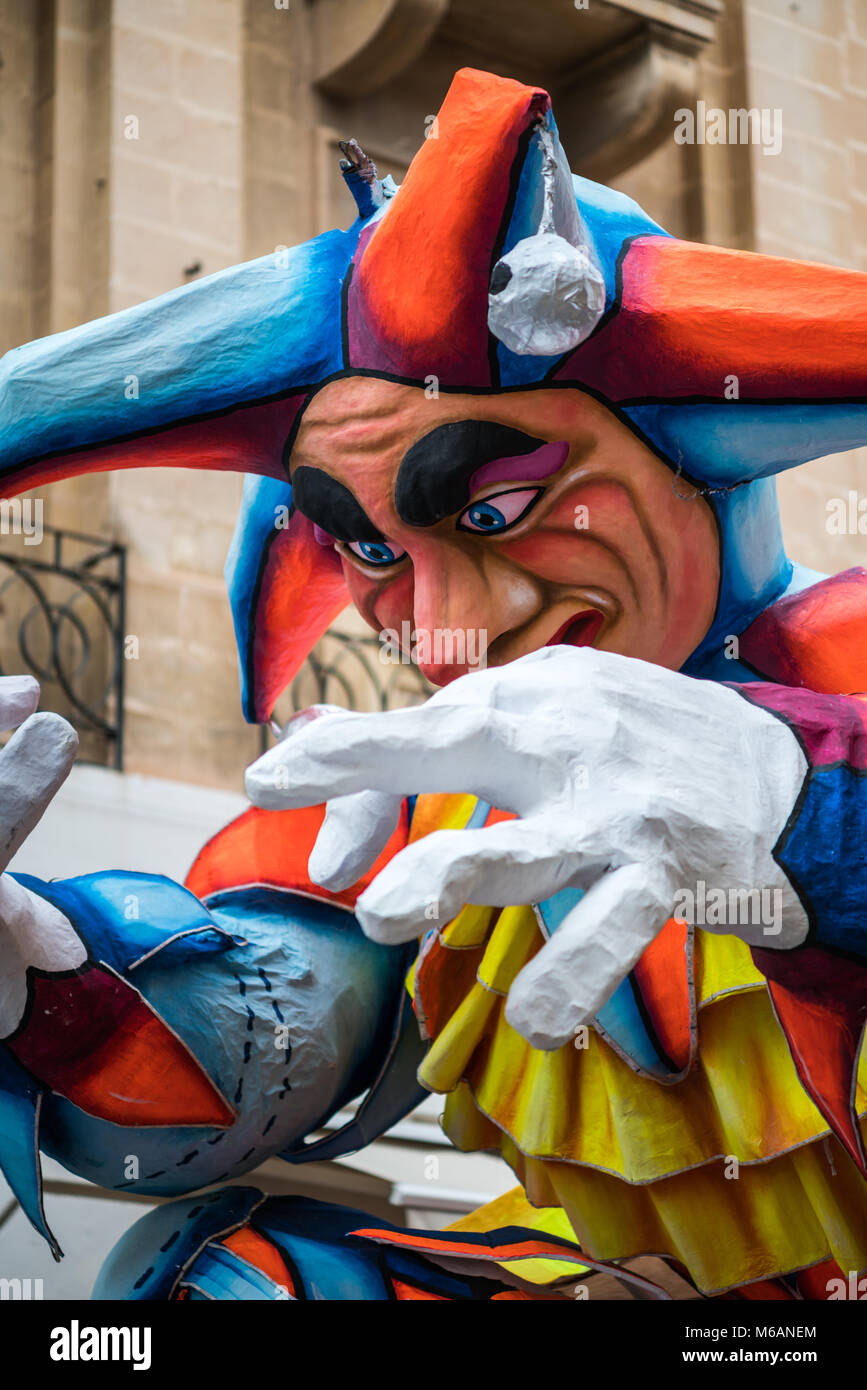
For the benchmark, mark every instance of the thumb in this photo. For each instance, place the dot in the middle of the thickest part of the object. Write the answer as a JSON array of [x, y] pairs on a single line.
[[354, 833], [33, 766]]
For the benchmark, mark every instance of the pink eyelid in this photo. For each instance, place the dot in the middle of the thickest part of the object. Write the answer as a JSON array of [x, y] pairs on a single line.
[[511, 504], [542, 463]]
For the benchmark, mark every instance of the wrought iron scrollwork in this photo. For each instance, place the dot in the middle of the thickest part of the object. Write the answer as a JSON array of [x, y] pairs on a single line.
[[62, 620], [348, 669]]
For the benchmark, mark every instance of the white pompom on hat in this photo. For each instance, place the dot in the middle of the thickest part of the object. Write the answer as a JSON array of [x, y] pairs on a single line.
[[547, 293]]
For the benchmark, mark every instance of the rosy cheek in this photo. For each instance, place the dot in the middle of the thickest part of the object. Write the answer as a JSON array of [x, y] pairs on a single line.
[[596, 505], [384, 601], [395, 599], [565, 510], [531, 552], [549, 550], [589, 510]]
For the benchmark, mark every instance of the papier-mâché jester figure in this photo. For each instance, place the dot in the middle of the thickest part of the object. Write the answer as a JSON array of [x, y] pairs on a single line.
[[607, 892]]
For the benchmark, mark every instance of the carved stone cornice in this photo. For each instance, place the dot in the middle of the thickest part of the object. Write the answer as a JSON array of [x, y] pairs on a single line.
[[618, 70], [621, 105], [361, 45]]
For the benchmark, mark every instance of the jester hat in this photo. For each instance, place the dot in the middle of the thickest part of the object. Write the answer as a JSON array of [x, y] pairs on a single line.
[[729, 366]]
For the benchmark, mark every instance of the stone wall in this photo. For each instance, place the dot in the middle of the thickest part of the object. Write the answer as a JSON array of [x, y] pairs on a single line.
[[809, 59]]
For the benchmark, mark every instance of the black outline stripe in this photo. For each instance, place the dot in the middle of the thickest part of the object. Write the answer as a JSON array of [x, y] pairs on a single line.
[[650, 1027], [310, 389]]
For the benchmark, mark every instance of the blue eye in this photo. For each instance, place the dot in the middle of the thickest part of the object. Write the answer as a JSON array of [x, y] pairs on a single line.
[[377, 552], [485, 517], [511, 507]]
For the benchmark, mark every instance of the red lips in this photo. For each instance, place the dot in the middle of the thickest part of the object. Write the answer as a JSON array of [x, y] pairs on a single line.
[[580, 630]]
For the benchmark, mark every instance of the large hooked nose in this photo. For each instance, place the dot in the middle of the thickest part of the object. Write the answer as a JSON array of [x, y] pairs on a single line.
[[463, 600]]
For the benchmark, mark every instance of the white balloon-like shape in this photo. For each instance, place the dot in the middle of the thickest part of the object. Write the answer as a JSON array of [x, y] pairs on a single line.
[[546, 296]]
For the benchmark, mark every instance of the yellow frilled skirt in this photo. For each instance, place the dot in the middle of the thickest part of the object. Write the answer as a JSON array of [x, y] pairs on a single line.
[[732, 1170]]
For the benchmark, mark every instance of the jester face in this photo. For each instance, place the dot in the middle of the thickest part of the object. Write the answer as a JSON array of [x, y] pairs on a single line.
[[530, 517], [596, 467]]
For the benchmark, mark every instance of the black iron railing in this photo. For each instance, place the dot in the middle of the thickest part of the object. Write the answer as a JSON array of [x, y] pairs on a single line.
[[62, 617], [349, 670]]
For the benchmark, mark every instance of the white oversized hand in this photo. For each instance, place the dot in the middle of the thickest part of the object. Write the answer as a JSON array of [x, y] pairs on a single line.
[[631, 782], [33, 765]]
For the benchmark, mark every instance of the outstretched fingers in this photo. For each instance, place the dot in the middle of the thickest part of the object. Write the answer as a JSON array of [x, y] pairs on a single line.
[[593, 949], [519, 861], [354, 833], [429, 748]]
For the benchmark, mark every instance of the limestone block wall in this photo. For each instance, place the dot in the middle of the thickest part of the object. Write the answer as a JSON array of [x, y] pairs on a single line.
[[176, 213], [18, 170], [126, 155], [809, 59]]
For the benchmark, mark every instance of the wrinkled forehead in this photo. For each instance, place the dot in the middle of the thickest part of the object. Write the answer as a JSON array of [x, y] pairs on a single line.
[[360, 417], [366, 420], [369, 421]]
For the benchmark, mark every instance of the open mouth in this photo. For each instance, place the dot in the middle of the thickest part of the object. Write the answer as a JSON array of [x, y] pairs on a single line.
[[581, 630]]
